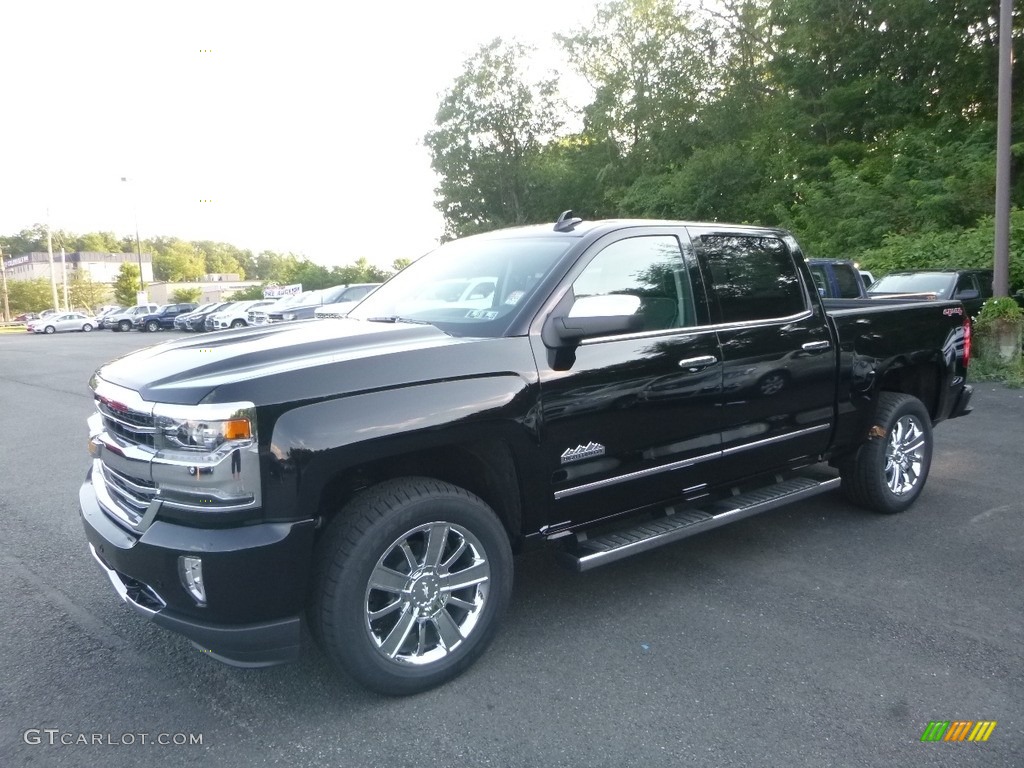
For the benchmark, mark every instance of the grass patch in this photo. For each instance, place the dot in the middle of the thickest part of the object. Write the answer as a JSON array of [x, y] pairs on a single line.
[[1010, 374]]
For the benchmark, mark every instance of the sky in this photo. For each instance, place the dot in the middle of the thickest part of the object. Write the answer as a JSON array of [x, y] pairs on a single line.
[[289, 126]]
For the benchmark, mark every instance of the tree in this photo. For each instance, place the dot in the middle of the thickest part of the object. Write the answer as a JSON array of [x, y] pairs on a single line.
[[491, 126], [29, 295], [178, 261], [126, 285], [85, 292], [186, 295]]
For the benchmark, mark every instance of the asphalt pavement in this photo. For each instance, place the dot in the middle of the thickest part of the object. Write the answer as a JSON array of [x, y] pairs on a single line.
[[814, 635]]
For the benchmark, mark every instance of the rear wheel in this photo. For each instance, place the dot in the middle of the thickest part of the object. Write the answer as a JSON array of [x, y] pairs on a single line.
[[412, 578], [889, 470]]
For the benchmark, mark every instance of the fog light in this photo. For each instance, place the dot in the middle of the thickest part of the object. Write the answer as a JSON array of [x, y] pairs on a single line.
[[190, 569]]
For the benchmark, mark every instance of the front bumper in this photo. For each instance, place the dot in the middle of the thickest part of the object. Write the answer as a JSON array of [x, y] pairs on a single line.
[[256, 580]]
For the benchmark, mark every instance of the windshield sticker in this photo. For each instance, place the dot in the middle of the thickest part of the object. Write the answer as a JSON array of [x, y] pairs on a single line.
[[513, 298]]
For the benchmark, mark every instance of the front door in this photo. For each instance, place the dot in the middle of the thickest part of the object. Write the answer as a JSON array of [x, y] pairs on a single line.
[[628, 420]]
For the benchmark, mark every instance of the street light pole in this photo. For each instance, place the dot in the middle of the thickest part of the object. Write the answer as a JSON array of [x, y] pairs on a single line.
[[138, 243]]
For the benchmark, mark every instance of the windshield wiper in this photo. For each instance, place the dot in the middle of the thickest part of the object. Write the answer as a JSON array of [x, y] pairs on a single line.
[[396, 319]]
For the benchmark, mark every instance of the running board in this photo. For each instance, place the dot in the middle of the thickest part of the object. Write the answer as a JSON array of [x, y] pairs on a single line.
[[589, 553]]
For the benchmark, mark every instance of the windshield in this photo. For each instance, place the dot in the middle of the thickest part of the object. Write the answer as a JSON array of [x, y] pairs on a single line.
[[466, 287], [938, 283]]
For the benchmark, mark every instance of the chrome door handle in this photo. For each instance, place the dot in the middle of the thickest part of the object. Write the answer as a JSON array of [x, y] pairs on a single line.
[[696, 363], [816, 346]]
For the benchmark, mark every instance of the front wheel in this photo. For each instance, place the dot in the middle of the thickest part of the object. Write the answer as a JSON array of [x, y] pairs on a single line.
[[153, 326], [125, 325], [889, 470], [412, 579], [50, 329], [238, 323], [87, 327]]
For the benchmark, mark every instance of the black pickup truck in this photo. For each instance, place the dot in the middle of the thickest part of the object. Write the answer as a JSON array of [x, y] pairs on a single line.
[[617, 386]]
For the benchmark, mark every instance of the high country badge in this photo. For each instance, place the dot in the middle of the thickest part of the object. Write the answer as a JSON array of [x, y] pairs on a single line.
[[581, 452]]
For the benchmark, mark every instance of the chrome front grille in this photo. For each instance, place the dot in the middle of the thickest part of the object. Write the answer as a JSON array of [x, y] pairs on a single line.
[[134, 493]]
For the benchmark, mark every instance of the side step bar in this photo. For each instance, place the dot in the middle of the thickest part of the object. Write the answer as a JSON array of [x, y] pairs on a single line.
[[589, 553]]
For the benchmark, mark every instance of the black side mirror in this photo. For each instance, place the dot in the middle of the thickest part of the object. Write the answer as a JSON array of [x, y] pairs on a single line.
[[967, 294]]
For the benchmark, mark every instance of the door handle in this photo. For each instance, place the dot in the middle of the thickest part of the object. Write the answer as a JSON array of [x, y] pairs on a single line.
[[816, 346], [696, 363]]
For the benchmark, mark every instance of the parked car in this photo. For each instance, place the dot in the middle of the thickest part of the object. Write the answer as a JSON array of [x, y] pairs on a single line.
[[106, 312], [25, 317], [234, 315], [374, 476], [346, 300], [162, 319], [866, 277], [196, 321], [122, 321], [67, 321], [181, 321], [836, 278], [969, 286], [284, 304]]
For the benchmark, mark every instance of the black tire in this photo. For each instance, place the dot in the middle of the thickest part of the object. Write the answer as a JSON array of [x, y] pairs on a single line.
[[238, 323], [391, 638], [87, 327], [153, 326], [124, 325], [50, 329], [890, 469]]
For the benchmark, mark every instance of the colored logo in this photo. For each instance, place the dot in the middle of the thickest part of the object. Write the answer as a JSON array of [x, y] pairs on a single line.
[[958, 730]]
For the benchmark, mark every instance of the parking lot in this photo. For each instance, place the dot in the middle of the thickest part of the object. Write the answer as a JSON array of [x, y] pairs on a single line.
[[814, 635]]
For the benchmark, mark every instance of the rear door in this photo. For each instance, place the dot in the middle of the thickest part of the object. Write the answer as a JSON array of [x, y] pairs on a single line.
[[778, 376], [631, 419]]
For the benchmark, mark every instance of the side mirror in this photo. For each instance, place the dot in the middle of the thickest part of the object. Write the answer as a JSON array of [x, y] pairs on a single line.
[[592, 316], [967, 294]]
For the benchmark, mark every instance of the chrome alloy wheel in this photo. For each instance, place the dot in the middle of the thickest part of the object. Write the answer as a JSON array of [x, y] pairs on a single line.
[[904, 455], [426, 593]]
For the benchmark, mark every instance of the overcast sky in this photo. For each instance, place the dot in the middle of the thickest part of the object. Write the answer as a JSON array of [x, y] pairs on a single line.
[[301, 122]]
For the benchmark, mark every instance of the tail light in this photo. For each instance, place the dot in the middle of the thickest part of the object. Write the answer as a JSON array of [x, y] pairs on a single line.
[[967, 340]]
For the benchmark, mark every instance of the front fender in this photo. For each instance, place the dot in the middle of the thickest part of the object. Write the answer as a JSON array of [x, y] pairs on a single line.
[[311, 444]]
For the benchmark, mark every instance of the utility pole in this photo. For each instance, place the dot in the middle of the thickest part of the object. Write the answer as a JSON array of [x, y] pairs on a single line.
[[3, 271], [1001, 260], [138, 243], [64, 274], [53, 276]]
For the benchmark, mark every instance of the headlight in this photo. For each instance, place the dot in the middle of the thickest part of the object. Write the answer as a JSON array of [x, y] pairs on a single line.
[[204, 428], [288, 316]]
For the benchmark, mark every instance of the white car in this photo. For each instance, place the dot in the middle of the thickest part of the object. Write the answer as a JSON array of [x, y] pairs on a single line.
[[236, 315], [351, 296], [66, 321]]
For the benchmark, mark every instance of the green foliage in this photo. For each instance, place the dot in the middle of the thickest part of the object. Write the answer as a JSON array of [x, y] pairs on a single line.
[[491, 126], [84, 292], [251, 292], [127, 284], [186, 295], [969, 248], [1010, 373], [29, 295]]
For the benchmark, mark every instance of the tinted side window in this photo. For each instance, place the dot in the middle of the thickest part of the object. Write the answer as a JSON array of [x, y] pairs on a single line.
[[754, 278], [848, 279], [650, 268]]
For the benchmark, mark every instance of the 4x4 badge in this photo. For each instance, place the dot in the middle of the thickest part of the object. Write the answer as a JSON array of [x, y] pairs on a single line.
[[580, 452]]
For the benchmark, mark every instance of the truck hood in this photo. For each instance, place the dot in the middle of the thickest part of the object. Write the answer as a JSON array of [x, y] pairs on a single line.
[[301, 357]]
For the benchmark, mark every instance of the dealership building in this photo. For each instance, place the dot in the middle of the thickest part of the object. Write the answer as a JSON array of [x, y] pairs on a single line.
[[99, 267]]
